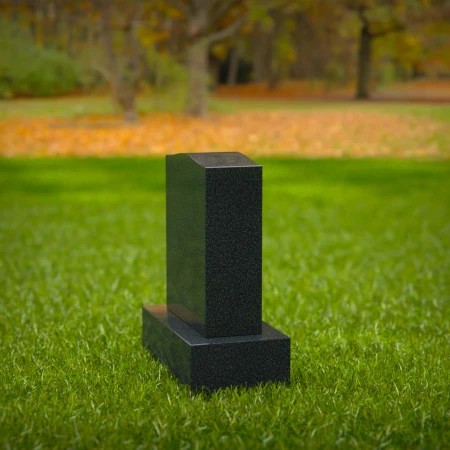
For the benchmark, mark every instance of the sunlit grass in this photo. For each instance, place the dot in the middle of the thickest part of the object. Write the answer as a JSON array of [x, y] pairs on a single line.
[[356, 271]]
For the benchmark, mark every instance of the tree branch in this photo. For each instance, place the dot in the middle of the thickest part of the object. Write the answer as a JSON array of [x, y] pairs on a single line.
[[103, 71], [222, 8], [362, 16], [227, 31], [180, 5], [399, 27]]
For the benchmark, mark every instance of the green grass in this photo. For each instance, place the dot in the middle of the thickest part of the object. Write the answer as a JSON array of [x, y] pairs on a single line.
[[75, 107], [356, 271], [439, 112]]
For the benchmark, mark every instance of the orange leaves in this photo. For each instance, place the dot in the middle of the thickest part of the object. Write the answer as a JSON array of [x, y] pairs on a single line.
[[417, 90], [317, 133]]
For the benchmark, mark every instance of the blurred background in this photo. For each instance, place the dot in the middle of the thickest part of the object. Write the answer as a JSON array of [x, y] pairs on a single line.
[[345, 103], [130, 58]]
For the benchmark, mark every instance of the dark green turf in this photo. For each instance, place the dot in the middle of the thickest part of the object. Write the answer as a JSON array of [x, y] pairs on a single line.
[[356, 271]]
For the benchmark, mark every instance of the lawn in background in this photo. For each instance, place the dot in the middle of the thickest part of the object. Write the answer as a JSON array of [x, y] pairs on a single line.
[[87, 126], [356, 272], [82, 106]]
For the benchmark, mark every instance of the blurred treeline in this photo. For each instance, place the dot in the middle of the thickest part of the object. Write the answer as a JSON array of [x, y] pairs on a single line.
[[52, 47]]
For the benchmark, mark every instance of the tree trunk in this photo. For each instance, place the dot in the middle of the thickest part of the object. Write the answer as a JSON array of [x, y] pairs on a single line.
[[32, 19], [258, 72], [197, 63], [200, 21], [274, 80], [214, 74], [274, 69], [233, 66], [70, 37], [273, 73], [123, 82], [127, 101], [260, 51], [417, 70], [364, 63], [14, 11]]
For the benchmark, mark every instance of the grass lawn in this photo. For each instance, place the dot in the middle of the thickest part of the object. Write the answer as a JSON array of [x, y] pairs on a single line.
[[356, 271], [86, 126], [80, 106]]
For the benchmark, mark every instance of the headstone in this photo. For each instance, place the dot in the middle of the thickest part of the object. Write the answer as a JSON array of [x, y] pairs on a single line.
[[211, 334]]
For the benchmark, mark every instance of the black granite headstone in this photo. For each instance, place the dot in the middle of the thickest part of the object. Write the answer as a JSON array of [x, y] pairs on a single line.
[[214, 242], [211, 333]]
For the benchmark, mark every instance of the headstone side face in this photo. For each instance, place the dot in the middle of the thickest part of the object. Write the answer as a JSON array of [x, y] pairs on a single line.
[[233, 251], [185, 239]]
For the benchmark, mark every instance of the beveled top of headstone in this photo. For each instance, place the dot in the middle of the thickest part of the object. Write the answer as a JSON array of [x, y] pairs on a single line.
[[222, 159]]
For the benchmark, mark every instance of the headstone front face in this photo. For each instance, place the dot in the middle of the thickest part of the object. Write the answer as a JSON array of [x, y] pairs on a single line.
[[211, 333]]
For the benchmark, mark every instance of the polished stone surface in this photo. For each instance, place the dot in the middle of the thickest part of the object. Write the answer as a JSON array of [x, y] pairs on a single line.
[[214, 242], [211, 334], [222, 159], [214, 363]]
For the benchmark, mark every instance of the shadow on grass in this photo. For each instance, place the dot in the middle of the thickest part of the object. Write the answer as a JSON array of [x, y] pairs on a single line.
[[44, 177]]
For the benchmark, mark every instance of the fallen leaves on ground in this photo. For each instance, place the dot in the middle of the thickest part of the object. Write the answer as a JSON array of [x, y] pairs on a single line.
[[436, 91], [302, 134]]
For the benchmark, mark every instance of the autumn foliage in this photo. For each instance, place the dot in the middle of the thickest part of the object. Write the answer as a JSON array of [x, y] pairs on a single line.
[[317, 133]]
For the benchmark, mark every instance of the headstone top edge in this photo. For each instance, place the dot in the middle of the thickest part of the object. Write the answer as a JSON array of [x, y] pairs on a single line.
[[219, 159]]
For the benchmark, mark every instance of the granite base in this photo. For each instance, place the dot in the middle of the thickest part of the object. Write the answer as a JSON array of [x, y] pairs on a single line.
[[214, 363]]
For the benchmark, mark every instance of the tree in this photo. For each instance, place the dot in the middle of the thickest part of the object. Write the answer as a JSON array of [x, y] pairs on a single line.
[[124, 75], [233, 65], [273, 38], [378, 18], [207, 22]]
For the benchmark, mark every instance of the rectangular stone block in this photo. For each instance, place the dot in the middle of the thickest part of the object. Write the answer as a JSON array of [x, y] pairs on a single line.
[[214, 363], [214, 242], [211, 334]]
